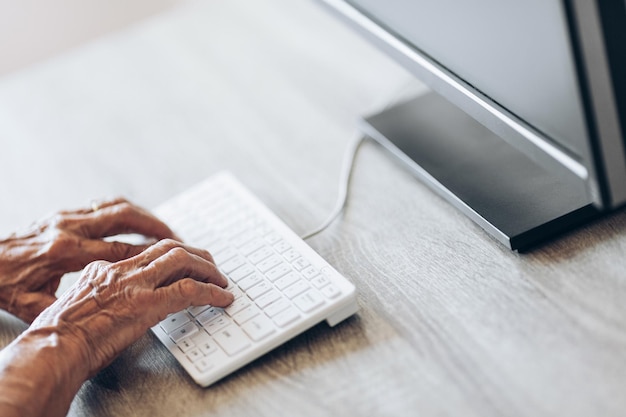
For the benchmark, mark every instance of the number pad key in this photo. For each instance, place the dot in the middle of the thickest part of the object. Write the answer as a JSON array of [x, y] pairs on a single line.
[[194, 354], [208, 315], [174, 321], [232, 339], [216, 325], [183, 331], [204, 342]]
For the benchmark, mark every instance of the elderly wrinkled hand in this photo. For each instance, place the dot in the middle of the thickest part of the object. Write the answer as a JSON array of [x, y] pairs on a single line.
[[123, 290], [33, 262], [113, 304]]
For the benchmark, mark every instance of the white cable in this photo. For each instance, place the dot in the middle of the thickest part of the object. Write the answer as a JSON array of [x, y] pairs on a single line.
[[344, 185]]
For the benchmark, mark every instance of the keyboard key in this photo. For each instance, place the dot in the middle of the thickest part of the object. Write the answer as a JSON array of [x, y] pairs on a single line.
[[232, 264], [267, 298], [291, 255], [235, 290], [186, 345], [240, 273], [261, 254], [220, 246], [263, 229], [330, 291], [309, 301], [278, 271], [296, 289], [282, 246], [320, 281], [243, 239], [258, 328], [250, 281], [286, 317], [204, 342], [246, 314], [239, 226], [310, 272], [326, 271], [174, 321], [194, 354], [206, 241], [300, 263], [237, 305], [203, 365], [259, 289], [287, 280], [269, 263], [277, 306], [196, 310], [183, 331], [232, 339], [209, 315], [272, 237], [224, 255], [252, 246], [216, 325]]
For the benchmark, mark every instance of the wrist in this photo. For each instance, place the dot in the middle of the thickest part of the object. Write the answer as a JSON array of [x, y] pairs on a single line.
[[62, 351], [40, 372]]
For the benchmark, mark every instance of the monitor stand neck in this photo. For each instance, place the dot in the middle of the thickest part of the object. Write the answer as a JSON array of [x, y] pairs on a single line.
[[504, 191]]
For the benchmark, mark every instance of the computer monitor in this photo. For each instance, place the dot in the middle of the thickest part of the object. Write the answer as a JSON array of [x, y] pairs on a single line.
[[523, 127]]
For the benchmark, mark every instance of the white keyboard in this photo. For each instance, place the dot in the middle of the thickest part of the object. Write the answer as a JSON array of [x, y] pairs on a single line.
[[281, 286]]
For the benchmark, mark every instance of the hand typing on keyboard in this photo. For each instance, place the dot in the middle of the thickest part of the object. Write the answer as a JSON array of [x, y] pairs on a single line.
[[112, 304], [281, 286]]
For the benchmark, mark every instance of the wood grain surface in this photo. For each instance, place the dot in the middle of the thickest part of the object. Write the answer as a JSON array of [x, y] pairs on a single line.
[[451, 323]]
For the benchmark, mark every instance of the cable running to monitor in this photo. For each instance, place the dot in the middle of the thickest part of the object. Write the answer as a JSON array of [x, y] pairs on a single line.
[[344, 185]]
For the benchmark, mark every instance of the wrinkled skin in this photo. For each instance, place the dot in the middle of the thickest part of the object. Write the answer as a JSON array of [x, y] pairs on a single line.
[[33, 262], [123, 290], [113, 304]]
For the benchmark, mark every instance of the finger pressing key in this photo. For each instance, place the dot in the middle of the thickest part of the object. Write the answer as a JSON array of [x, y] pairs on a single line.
[[187, 292], [178, 263]]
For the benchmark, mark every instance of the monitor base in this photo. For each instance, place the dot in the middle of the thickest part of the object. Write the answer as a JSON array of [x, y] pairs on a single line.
[[513, 198]]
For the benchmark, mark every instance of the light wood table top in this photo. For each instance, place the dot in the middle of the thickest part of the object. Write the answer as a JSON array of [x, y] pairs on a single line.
[[451, 322]]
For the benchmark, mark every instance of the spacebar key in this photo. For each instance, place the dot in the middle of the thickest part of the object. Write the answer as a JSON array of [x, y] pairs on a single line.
[[232, 339]]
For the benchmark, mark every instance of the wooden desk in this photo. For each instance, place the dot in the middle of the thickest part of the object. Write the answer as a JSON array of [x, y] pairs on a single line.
[[451, 323]]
